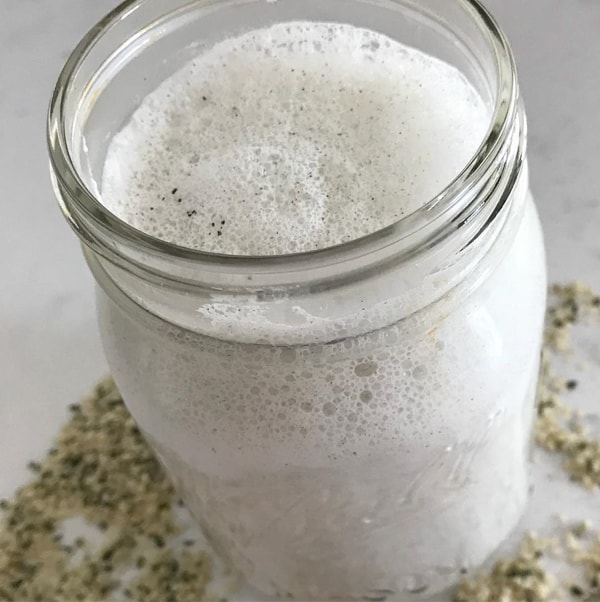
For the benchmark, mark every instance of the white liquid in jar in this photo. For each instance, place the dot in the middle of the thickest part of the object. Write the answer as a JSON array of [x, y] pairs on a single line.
[[376, 465]]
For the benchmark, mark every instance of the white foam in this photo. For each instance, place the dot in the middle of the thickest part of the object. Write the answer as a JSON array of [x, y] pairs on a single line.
[[291, 138]]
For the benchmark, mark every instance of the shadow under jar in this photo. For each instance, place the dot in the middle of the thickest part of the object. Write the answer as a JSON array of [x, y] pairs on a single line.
[[351, 422]]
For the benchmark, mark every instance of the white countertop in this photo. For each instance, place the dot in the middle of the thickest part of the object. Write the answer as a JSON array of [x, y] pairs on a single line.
[[49, 346]]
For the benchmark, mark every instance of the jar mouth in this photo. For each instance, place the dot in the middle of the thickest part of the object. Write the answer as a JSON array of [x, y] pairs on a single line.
[[434, 220]]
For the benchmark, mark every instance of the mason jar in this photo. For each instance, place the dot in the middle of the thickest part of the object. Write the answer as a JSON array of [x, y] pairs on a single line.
[[348, 423]]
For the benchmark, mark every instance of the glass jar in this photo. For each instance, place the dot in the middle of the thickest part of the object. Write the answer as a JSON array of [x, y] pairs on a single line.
[[352, 422]]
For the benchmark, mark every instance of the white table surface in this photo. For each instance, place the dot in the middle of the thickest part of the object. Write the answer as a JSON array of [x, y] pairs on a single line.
[[50, 352]]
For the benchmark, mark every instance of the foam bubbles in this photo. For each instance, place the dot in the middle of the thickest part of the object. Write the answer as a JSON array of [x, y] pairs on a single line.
[[291, 138]]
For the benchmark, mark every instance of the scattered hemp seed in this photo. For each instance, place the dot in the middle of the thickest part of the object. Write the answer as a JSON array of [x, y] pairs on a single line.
[[103, 473], [568, 305], [522, 579], [580, 529], [558, 427], [526, 578]]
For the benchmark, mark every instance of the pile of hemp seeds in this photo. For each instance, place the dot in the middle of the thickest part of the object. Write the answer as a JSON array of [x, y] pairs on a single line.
[[102, 473]]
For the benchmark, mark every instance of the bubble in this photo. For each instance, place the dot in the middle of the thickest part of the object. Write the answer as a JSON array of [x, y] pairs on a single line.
[[365, 369], [420, 372], [366, 396], [288, 355], [329, 408]]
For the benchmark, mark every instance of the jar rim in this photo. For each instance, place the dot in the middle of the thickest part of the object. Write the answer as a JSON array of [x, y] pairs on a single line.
[[95, 224]]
